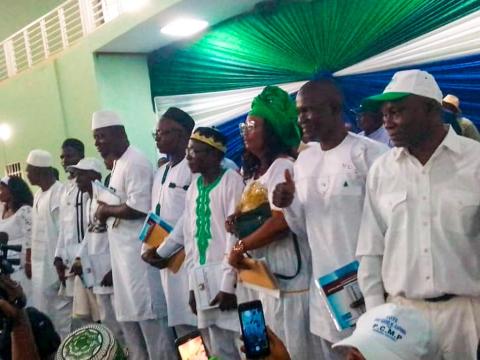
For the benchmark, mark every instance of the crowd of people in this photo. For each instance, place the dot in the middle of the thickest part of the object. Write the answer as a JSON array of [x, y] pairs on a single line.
[[401, 197]]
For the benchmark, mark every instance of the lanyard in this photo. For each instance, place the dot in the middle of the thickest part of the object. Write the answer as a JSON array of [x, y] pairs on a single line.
[[164, 178], [79, 213]]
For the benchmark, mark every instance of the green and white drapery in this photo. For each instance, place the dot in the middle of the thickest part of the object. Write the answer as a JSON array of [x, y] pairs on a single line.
[[215, 77]]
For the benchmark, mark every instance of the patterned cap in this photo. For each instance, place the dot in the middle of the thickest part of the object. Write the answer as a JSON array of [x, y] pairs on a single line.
[[90, 342]]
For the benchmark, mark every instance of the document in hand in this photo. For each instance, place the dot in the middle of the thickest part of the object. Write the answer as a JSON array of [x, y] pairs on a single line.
[[154, 230], [258, 277], [176, 260], [207, 280], [340, 289], [106, 195]]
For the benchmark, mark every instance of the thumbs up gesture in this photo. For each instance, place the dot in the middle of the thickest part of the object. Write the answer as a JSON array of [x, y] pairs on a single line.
[[284, 192]]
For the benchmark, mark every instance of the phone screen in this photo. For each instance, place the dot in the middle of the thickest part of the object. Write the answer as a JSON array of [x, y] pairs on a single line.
[[193, 349], [254, 332]]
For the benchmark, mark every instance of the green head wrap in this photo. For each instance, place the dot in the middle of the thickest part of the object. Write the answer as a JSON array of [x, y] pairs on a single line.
[[275, 106]]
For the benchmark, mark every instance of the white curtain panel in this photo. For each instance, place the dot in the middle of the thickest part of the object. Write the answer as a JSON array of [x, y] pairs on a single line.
[[456, 39], [214, 108]]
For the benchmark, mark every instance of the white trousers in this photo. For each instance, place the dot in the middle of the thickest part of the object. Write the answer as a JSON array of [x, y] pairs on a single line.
[[107, 316], [149, 339], [223, 343], [288, 317], [182, 330], [57, 308], [457, 322]]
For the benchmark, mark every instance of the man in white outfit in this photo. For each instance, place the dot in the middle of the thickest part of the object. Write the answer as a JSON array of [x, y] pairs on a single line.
[[323, 201], [45, 230], [94, 254], [139, 300], [420, 236], [170, 186], [73, 222], [370, 120]]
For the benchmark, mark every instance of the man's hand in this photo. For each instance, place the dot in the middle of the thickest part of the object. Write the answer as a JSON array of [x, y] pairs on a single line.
[[102, 213], [284, 192], [235, 259], [151, 257], [278, 351], [192, 302], [225, 301], [77, 267], [60, 267]]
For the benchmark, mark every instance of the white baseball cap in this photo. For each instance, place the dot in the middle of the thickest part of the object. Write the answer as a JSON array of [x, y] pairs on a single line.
[[105, 118], [40, 158], [393, 332], [89, 163], [410, 82]]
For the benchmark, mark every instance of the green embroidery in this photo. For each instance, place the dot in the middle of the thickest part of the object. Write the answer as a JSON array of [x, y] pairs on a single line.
[[203, 214]]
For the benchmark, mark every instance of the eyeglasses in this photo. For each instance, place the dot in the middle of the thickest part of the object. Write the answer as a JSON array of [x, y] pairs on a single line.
[[158, 133], [195, 152], [247, 126]]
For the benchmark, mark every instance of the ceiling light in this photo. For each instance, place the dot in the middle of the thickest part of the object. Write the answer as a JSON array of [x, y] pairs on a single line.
[[5, 132], [184, 27]]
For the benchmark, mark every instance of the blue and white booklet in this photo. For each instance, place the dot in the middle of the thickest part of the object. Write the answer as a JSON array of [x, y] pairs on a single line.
[[340, 289]]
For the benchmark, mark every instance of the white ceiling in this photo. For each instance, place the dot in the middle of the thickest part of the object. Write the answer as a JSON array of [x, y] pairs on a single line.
[[146, 37]]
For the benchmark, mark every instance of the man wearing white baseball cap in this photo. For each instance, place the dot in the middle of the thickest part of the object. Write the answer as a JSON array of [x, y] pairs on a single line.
[[420, 234], [392, 332], [94, 254], [45, 230], [139, 300]]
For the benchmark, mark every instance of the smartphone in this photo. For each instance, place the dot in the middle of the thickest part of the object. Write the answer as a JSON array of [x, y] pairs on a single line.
[[191, 347], [254, 330]]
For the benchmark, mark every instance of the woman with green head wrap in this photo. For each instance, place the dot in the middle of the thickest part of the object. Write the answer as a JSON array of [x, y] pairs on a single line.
[[271, 136]]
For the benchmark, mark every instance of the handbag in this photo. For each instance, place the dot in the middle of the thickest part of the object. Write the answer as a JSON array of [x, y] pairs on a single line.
[[249, 221]]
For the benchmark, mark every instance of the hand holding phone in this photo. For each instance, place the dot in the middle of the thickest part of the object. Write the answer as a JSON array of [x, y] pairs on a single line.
[[191, 347], [254, 330]]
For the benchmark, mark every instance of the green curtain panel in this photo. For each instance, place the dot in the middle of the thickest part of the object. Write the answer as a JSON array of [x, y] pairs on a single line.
[[295, 41]]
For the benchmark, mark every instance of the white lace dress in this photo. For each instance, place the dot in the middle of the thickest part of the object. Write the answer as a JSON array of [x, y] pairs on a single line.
[[19, 230]]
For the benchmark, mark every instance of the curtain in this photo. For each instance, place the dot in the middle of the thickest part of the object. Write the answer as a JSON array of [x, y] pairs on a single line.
[[459, 76], [457, 39], [295, 41]]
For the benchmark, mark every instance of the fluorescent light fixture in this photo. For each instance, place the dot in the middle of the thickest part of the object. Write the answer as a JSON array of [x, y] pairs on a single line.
[[5, 132], [133, 5], [184, 27]]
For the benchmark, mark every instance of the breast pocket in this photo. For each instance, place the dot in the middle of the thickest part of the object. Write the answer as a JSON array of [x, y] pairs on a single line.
[[462, 213], [349, 185], [393, 207]]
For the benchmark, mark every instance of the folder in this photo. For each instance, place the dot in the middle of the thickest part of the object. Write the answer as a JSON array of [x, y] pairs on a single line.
[[176, 260], [259, 277], [154, 231], [339, 289]]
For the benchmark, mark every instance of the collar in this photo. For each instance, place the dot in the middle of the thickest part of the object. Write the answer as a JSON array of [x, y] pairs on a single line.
[[451, 142]]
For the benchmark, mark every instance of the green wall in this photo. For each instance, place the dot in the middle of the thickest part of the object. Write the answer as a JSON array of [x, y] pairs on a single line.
[[124, 86], [31, 106], [54, 100]]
